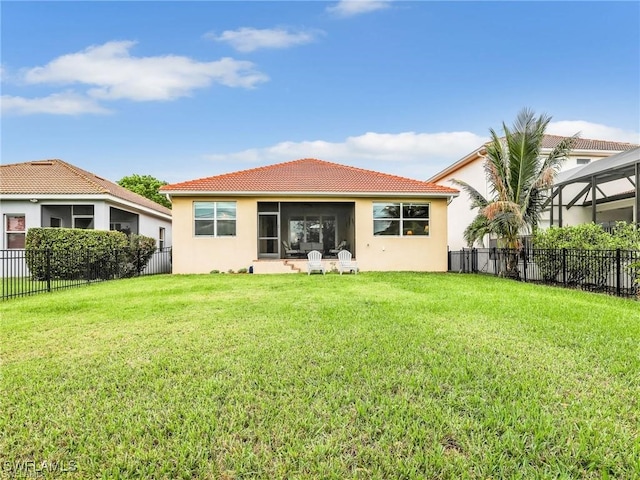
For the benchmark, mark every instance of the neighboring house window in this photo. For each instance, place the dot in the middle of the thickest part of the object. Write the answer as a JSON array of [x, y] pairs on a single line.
[[55, 222], [401, 219], [16, 231], [82, 216], [583, 161], [215, 219], [161, 238]]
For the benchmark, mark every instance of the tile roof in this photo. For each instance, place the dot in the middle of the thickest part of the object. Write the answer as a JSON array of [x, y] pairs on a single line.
[[55, 177], [309, 175], [550, 141]]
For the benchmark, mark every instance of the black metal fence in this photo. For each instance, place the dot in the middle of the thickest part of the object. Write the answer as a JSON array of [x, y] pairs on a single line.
[[27, 272], [607, 271]]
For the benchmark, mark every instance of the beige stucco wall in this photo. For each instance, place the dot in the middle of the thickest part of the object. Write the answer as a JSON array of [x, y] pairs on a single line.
[[382, 253]]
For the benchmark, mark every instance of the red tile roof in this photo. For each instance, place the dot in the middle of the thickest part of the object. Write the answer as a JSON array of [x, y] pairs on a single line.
[[308, 175], [55, 177]]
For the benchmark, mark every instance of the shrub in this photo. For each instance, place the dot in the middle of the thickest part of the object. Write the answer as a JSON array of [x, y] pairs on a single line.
[[573, 247], [137, 255], [67, 253]]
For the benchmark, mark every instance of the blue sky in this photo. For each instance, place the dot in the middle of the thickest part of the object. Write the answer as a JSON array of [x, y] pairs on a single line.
[[182, 90]]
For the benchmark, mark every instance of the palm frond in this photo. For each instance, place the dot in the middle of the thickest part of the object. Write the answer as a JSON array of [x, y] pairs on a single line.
[[555, 159], [477, 199], [479, 228]]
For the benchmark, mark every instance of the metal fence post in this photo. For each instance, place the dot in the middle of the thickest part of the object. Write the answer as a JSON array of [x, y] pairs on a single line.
[[564, 267], [524, 262], [495, 260], [47, 252], [87, 265], [618, 272]]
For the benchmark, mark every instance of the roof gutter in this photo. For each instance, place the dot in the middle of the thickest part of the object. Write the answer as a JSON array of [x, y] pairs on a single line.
[[191, 193]]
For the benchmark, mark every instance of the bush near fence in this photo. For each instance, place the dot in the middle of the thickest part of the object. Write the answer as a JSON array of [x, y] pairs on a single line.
[[616, 272], [65, 253]]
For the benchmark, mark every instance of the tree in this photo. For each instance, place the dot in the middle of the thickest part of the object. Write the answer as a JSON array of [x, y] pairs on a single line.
[[147, 186], [518, 178]]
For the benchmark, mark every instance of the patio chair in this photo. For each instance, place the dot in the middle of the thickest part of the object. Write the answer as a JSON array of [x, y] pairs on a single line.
[[315, 262], [341, 246], [288, 251], [345, 264]]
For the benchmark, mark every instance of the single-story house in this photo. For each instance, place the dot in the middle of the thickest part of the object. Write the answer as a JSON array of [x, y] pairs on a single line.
[[470, 169], [268, 218], [53, 193]]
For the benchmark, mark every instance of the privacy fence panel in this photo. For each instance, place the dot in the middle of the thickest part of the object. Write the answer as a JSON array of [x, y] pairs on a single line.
[[608, 271], [27, 272]]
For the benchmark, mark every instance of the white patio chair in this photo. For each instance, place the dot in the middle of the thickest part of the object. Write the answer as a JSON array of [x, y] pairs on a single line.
[[345, 264], [315, 262]]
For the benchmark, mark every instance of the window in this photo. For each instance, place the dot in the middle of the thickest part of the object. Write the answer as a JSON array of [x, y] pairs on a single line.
[[313, 229], [583, 161], [16, 230], [215, 219], [82, 216], [401, 219], [161, 238]]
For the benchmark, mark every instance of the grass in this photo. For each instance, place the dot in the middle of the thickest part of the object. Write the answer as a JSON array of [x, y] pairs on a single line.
[[389, 375]]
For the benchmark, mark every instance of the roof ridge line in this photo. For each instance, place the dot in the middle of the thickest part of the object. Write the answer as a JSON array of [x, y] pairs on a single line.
[[82, 174]]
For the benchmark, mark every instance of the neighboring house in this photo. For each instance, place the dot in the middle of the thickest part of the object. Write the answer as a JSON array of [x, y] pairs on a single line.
[[245, 218], [470, 169], [53, 193]]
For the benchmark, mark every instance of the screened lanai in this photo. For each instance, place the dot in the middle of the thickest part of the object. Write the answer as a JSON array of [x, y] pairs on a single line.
[[603, 192]]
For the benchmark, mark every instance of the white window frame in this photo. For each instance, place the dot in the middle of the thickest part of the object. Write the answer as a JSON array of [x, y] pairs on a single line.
[[215, 218], [161, 237], [75, 216], [14, 232], [401, 219]]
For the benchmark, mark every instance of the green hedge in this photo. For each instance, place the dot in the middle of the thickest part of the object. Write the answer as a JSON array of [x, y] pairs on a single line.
[[550, 244], [67, 253]]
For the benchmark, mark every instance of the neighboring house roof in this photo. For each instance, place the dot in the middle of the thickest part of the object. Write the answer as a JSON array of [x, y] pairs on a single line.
[[55, 177], [552, 141], [548, 142], [309, 176]]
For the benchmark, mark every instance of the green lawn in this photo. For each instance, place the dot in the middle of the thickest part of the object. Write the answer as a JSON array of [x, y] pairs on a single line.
[[379, 375]]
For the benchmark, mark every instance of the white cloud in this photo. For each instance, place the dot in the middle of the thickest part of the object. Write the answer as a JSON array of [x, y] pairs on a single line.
[[250, 39], [65, 103], [410, 154], [594, 131], [350, 8], [115, 74]]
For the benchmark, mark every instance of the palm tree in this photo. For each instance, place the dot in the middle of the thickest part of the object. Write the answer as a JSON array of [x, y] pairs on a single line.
[[518, 180]]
